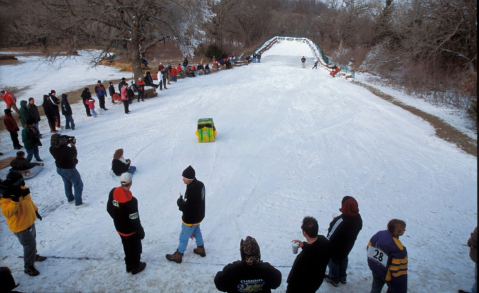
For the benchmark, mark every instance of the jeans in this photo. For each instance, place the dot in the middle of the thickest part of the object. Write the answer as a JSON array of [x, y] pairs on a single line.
[[28, 240], [186, 232], [93, 113], [38, 128], [378, 284], [337, 269], [474, 287], [71, 177], [141, 95], [131, 170], [69, 120], [32, 152], [173, 78], [164, 81]]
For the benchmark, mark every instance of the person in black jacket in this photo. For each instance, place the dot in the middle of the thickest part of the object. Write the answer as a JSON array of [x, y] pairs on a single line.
[[20, 163], [303, 60], [33, 113], [311, 262], [120, 165], [111, 90], [342, 234], [250, 274], [123, 209], [50, 112], [66, 160], [193, 208], [185, 63], [55, 102], [149, 80], [67, 112], [85, 96]]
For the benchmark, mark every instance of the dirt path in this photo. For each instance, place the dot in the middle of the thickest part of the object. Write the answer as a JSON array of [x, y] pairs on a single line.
[[443, 130]]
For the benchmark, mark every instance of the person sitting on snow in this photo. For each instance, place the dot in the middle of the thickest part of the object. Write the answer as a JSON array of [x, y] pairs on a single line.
[[120, 165], [20, 163], [149, 80]]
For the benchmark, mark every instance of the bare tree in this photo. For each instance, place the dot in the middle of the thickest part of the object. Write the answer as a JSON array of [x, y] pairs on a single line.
[[136, 25]]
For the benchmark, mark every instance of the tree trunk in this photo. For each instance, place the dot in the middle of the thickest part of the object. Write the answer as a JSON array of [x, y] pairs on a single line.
[[135, 58]]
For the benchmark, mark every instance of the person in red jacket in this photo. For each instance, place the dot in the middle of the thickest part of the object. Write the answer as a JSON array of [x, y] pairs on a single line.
[[10, 100], [123, 209], [140, 84], [173, 74], [12, 127]]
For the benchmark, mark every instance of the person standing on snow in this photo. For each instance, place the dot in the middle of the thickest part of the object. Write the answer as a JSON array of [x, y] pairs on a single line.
[[315, 65], [21, 213], [122, 207], [193, 208], [85, 96], [55, 102], [23, 113], [91, 105], [50, 112], [342, 234], [67, 112], [140, 84], [111, 89], [310, 264], [303, 60], [66, 159], [31, 140], [12, 127], [164, 76], [9, 99], [250, 274], [185, 63], [34, 114], [122, 82], [100, 92], [387, 258], [124, 97]]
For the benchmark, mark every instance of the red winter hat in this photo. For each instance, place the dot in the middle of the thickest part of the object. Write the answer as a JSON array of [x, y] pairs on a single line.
[[350, 207]]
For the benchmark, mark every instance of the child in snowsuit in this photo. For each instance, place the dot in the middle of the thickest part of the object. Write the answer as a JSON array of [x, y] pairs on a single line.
[[91, 105]]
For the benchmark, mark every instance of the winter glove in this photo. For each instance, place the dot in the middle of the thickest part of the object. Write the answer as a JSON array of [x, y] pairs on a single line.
[[141, 233], [179, 202], [14, 197], [38, 215]]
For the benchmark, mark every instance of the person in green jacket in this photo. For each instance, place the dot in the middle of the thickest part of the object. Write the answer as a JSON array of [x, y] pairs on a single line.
[[31, 140], [23, 112]]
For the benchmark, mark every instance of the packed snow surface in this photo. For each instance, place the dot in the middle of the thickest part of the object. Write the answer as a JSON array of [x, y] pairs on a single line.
[[291, 143]]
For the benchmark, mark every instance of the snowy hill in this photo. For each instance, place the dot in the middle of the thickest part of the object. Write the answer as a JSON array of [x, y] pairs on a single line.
[[291, 142]]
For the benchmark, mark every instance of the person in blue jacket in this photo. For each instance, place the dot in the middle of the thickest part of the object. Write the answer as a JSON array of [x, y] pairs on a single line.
[[387, 259]]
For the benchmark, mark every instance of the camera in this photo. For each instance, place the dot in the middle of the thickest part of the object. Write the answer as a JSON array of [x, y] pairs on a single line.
[[62, 140]]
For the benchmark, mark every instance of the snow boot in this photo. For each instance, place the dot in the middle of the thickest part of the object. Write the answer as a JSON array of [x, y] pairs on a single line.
[[328, 280], [140, 268], [39, 257], [32, 271], [200, 250], [176, 257]]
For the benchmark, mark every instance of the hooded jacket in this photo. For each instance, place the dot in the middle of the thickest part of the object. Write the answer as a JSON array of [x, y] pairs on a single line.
[[19, 215], [66, 109], [123, 209], [30, 137], [119, 166], [240, 277], [193, 205], [23, 113]]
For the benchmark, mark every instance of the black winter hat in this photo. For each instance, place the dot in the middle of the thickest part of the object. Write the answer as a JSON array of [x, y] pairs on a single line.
[[64, 96], [189, 173], [30, 121], [52, 91], [14, 176], [346, 198]]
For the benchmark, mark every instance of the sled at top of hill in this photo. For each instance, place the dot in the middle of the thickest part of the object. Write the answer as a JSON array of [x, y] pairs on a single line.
[[334, 71], [206, 130]]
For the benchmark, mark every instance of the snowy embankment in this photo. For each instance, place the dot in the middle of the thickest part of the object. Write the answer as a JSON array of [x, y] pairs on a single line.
[[291, 142]]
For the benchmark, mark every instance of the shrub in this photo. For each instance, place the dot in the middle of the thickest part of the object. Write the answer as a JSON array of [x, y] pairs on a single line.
[[214, 50]]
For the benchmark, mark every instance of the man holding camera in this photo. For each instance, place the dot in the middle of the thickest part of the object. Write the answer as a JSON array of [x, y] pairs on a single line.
[[21, 213], [66, 160]]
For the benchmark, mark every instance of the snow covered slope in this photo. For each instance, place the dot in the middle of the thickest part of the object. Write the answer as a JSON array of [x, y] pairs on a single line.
[[291, 142]]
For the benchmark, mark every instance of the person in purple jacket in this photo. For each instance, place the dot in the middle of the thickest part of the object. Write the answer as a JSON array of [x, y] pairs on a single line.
[[387, 259]]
